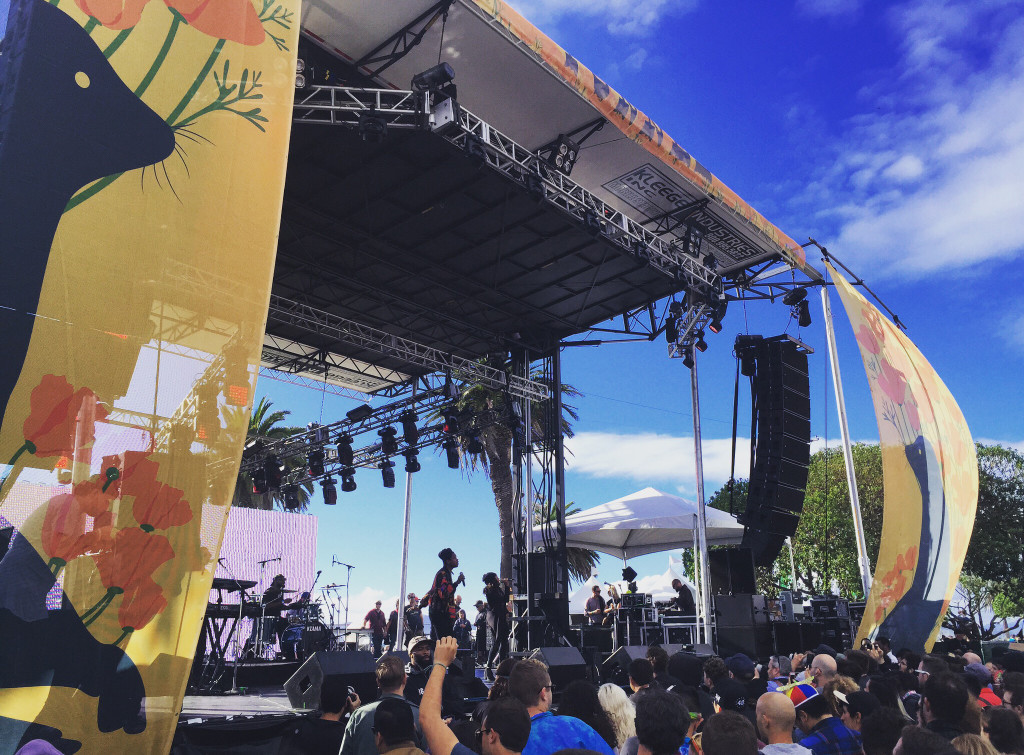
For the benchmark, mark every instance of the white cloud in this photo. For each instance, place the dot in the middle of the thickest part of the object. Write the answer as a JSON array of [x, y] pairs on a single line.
[[635, 61], [1013, 328], [828, 8], [621, 17], [1017, 445], [929, 177]]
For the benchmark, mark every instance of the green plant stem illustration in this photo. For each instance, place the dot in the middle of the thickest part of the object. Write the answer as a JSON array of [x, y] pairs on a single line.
[[160, 56]]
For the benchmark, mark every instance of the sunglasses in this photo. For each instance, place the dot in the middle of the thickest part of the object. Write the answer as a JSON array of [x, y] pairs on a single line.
[[479, 733]]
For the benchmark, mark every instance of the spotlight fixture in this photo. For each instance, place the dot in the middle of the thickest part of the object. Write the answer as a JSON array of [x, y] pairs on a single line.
[[535, 187], [345, 453], [475, 150], [692, 239], [273, 471], [803, 314], [641, 251], [315, 462], [451, 421], [688, 358], [387, 473], [259, 481], [715, 326], [207, 418], [359, 413], [710, 261], [794, 296], [629, 574], [433, 78], [330, 491], [388, 440], [412, 462], [700, 344], [304, 74], [451, 450], [474, 446], [291, 498], [592, 223], [410, 432], [372, 128], [563, 154], [671, 330], [348, 479]]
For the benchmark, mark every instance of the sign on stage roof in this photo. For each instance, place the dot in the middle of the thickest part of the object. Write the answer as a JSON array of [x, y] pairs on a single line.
[[516, 78]]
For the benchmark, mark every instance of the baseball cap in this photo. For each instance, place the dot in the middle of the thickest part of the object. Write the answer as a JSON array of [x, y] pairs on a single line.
[[730, 695], [414, 642], [740, 665], [858, 702], [799, 693]]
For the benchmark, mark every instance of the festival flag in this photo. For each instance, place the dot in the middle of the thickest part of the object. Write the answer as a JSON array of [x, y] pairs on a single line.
[[930, 476], [143, 149]]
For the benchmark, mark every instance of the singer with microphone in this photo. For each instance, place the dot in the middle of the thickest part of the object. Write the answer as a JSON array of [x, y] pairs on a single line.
[[441, 596]]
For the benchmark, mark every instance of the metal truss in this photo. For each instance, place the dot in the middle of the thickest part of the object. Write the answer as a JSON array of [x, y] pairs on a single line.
[[405, 109], [691, 325], [402, 41], [289, 356], [342, 330]]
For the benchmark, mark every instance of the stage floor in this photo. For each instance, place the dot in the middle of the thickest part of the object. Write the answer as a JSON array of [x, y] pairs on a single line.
[[255, 702]]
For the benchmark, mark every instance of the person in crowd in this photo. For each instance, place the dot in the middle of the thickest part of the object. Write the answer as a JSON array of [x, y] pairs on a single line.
[[714, 671], [972, 744], [855, 707], [778, 672], [662, 724], [908, 660], [413, 616], [392, 627], [971, 722], [361, 728], [886, 690], [929, 665], [480, 629], [986, 695], [889, 661], [496, 593], [943, 704], [729, 733], [501, 676], [463, 630], [421, 653], [1004, 730], [776, 718], [910, 697], [658, 657], [441, 598], [580, 701], [917, 740], [689, 670], [838, 683], [325, 734], [858, 665], [394, 729], [822, 670], [1013, 694], [504, 728], [594, 608], [621, 712], [881, 731], [684, 598], [531, 685], [825, 733], [742, 669], [641, 676], [377, 623]]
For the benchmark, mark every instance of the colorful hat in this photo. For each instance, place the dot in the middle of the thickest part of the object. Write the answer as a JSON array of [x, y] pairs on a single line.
[[799, 693]]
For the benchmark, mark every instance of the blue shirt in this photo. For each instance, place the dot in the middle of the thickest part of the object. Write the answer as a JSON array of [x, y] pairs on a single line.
[[830, 737], [550, 733]]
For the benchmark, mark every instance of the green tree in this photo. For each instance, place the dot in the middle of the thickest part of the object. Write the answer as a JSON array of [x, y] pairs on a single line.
[[264, 424], [995, 553], [987, 603], [581, 561]]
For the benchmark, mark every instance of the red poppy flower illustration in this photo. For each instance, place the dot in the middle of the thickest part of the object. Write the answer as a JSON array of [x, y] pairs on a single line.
[[140, 605], [114, 14], [913, 416], [64, 535], [892, 382], [132, 558], [50, 427], [157, 505], [867, 340], [234, 20]]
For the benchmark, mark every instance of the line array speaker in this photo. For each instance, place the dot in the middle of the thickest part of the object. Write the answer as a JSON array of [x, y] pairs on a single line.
[[780, 391], [731, 571]]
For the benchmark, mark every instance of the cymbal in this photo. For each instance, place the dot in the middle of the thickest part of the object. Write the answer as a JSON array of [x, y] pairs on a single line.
[[289, 590]]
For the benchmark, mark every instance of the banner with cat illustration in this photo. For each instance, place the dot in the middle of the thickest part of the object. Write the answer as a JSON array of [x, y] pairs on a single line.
[[143, 146], [930, 476]]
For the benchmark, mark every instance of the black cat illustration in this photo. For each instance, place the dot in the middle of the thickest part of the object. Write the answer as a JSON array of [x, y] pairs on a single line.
[[66, 119], [43, 647], [912, 619]]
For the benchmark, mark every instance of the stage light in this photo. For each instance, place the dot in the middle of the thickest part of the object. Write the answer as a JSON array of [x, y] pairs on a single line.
[[803, 312], [692, 239], [345, 452], [359, 413], [671, 330], [535, 187], [475, 150], [592, 223], [451, 450], [387, 473], [710, 261], [641, 251], [629, 574], [388, 440], [700, 344], [330, 491], [274, 472], [412, 462], [451, 421], [564, 154], [716, 318], [474, 446], [348, 480], [315, 462], [259, 481], [237, 393], [207, 419], [304, 75], [291, 498], [794, 296], [433, 78], [688, 358], [410, 432], [372, 128]]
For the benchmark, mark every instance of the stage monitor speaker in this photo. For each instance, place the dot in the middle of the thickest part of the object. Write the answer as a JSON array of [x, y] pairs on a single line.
[[703, 650], [781, 405], [616, 666], [753, 641], [672, 647], [467, 660], [352, 668], [564, 665], [731, 570]]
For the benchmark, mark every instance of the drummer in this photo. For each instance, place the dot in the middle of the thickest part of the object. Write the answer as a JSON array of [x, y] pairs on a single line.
[[273, 603], [296, 621]]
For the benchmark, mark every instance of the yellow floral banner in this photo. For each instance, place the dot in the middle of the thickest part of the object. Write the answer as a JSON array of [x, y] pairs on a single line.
[[143, 147], [930, 475]]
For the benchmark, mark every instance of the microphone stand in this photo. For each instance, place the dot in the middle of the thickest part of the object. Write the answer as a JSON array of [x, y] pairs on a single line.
[[348, 579], [260, 643], [238, 629]]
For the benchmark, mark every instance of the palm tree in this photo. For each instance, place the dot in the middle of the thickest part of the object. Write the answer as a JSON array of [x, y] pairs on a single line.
[[496, 441], [580, 561], [264, 424]]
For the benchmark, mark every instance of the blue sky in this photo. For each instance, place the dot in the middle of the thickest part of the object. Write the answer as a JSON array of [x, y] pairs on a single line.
[[893, 133]]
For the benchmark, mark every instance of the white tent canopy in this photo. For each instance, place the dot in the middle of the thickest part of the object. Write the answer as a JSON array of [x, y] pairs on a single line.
[[647, 521]]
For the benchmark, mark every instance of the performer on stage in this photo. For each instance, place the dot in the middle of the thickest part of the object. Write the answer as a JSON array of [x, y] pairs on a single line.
[[273, 603], [413, 617], [441, 597], [684, 598], [594, 609], [611, 609], [496, 593], [376, 622]]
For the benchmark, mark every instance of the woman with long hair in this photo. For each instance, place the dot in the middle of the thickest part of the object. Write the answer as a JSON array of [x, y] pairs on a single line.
[[620, 711], [496, 593]]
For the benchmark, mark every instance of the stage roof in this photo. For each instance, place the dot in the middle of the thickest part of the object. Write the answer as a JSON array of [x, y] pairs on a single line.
[[413, 238]]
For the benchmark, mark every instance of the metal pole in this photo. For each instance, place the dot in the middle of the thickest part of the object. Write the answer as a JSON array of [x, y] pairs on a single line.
[[400, 629], [702, 533], [556, 409], [844, 430], [792, 563]]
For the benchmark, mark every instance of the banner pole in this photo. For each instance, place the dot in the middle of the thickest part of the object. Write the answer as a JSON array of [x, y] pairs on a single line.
[[702, 533], [844, 430]]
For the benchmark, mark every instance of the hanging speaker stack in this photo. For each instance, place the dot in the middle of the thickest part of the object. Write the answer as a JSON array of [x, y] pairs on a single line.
[[780, 392]]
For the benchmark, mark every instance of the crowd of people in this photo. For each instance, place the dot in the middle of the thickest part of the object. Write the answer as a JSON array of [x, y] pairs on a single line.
[[870, 701]]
